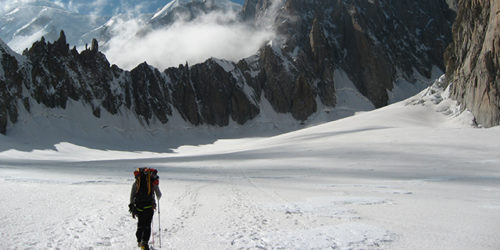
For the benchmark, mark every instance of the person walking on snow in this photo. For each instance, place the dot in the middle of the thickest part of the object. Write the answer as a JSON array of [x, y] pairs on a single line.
[[142, 202]]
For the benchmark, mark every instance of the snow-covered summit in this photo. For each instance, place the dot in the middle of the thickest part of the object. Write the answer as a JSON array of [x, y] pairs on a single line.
[[224, 5], [169, 6], [25, 23]]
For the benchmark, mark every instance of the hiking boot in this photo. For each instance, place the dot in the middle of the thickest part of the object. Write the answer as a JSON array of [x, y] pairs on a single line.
[[144, 246]]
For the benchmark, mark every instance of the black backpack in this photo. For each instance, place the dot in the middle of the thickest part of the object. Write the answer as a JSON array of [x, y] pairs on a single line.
[[144, 180]]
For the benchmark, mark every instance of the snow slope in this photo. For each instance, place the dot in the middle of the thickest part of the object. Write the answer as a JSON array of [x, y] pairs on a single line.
[[413, 175]]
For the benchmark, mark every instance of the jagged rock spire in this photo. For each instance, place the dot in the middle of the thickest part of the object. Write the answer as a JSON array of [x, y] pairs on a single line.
[[62, 37], [95, 46], [61, 46]]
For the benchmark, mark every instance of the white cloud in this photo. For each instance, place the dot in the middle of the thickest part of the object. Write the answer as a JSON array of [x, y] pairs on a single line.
[[59, 3], [212, 35]]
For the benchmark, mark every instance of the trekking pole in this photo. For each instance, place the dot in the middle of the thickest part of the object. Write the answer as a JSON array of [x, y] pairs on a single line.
[[152, 233], [159, 225]]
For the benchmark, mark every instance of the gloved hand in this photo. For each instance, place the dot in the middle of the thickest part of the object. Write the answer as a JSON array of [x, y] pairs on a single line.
[[131, 209]]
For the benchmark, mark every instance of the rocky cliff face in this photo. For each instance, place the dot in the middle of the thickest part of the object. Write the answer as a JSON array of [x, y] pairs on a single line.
[[374, 42], [473, 59]]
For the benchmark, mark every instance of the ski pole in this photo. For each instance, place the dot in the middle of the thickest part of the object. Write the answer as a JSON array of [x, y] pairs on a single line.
[[159, 225]]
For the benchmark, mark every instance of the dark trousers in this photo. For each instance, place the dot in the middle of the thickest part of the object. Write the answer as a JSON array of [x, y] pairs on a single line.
[[144, 225]]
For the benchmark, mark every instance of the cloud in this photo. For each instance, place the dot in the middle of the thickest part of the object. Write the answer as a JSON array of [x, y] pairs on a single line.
[[217, 34], [59, 3]]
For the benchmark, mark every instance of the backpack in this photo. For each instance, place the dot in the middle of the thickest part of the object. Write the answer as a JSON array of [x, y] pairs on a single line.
[[145, 179]]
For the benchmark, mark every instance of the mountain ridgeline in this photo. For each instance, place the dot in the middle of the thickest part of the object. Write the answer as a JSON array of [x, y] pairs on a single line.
[[375, 42]]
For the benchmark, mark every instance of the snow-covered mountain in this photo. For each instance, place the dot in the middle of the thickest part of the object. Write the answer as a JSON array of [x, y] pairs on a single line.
[[188, 10], [190, 5], [27, 22], [320, 49], [24, 22], [409, 175]]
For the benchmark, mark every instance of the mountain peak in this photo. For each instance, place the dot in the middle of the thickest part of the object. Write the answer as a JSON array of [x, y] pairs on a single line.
[[224, 5]]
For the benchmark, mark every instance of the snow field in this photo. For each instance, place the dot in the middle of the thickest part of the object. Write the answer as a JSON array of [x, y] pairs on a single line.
[[52, 215], [413, 175]]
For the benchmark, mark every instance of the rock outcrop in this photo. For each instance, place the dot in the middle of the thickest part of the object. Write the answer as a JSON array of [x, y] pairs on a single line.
[[58, 74], [473, 60], [207, 93]]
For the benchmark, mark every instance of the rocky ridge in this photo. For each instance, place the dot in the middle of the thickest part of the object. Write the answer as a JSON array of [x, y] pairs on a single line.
[[52, 74], [473, 60], [374, 42]]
